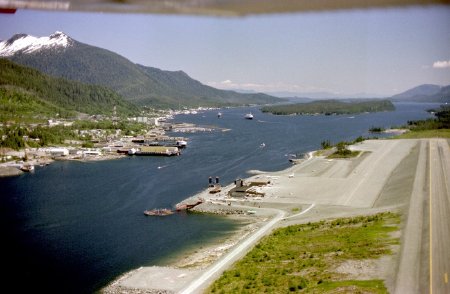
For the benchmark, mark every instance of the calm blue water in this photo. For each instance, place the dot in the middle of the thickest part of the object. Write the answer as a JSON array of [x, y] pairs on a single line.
[[76, 226]]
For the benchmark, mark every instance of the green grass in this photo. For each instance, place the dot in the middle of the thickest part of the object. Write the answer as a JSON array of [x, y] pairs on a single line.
[[302, 257], [437, 133], [351, 286], [319, 152]]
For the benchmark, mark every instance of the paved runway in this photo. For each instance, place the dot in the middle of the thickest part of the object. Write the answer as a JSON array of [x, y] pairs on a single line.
[[439, 197], [425, 259]]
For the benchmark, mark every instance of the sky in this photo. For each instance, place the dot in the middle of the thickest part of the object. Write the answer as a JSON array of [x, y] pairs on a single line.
[[378, 52]]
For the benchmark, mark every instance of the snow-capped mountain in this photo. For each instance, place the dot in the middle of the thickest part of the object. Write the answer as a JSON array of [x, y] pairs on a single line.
[[27, 44], [59, 55]]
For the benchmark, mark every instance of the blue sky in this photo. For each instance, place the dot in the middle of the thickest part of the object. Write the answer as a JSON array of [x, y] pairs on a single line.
[[374, 51]]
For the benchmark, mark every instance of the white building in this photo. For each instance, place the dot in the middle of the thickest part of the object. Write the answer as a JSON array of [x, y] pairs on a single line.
[[142, 119], [58, 151], [75, 152], [92, 152]]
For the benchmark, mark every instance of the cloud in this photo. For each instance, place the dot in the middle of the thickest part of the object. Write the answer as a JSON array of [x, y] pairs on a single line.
[[258, 87], [442, 64]]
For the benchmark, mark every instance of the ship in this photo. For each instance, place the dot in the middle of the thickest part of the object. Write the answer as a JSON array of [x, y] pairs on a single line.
[[248, 116], [219, 114], [158, 212], [181, 144], [186, 206], [27, 168], [155, 150]]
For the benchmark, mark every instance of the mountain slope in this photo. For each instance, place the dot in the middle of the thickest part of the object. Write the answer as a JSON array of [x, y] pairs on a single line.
[[22, 86], [179, 84], [136, 83], [425, 93]]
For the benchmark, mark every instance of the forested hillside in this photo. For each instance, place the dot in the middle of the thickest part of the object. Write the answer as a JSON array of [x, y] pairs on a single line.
[[25, 91]]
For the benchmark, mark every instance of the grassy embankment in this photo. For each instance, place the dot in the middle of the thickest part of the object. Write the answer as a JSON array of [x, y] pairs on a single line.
[[340, 150], [304, 257], [438, 127], [423, 134]]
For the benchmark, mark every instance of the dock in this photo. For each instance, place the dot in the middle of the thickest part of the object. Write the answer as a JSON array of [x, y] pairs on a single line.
[[248, 189]]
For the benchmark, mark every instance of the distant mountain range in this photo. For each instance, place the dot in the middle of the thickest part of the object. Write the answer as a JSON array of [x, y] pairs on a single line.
[[322, 95], [422, 93], [61, 56], [425, 93]]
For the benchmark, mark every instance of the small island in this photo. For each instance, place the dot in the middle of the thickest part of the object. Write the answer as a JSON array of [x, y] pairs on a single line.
[[329, 107]]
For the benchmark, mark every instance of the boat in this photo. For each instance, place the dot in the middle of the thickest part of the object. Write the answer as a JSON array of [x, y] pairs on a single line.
[[27, 168], [155, 150], [248, 116], [181, 144], [154, 143], [219, 114], [186, 206], [158, 212]]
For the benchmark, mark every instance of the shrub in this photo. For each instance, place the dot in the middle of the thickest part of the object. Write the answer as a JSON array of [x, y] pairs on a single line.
[[326, 144]]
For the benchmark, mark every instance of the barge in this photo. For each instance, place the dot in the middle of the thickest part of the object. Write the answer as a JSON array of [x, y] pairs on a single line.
[[158, 212], [155, 150]]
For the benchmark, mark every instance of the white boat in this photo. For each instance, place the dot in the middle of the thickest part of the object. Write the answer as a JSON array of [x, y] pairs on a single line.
[[181, 144], [219, 114], [248, 116], [27, 168]]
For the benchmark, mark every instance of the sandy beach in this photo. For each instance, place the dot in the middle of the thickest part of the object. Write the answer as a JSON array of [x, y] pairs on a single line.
[[381, 178]]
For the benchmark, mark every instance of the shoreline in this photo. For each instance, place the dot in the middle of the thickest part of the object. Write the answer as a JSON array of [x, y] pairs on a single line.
[[195, 260], [198, 261], [315, 189], [13, 168]]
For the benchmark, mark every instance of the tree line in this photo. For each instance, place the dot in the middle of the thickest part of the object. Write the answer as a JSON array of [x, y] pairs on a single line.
[[329, 107]]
